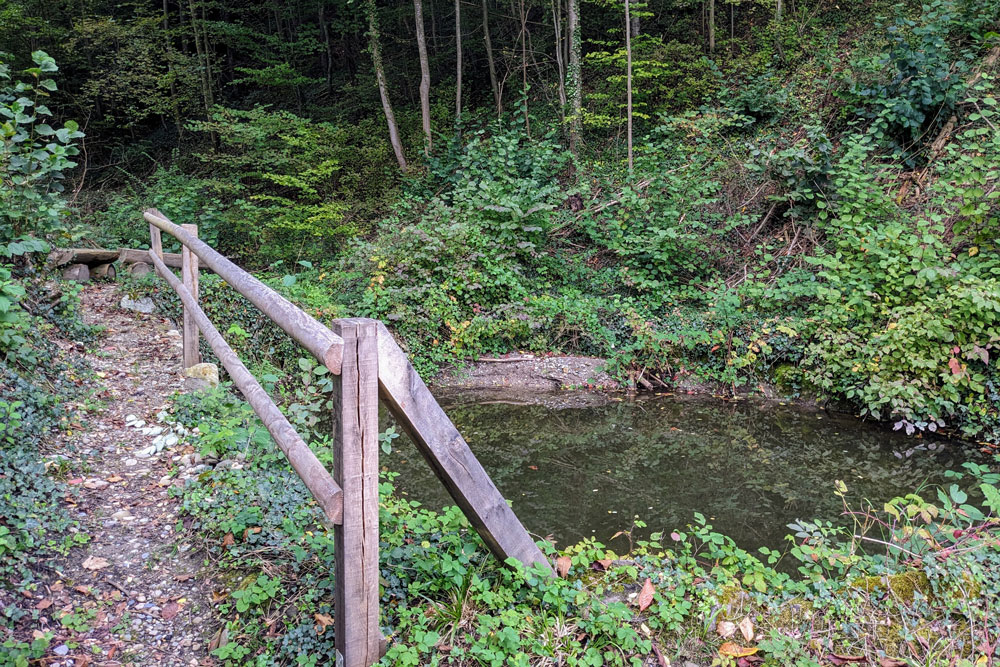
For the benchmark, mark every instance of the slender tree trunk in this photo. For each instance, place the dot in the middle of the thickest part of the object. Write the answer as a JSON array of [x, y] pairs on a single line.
[[208, 56], [575, 74], [425, 75], [489, 58], [732, 24], [206, 93], [328, 48], [560, 65], [711, 26], [383, 87], [524, 65], [777, 10], [458, 60], [628, 82], [175, 109]]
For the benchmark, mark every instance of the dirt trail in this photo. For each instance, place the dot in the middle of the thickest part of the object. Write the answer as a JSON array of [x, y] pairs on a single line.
[[135, 592]]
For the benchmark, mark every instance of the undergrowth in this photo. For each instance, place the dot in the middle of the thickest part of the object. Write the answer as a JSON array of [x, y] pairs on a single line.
[[912, 582]]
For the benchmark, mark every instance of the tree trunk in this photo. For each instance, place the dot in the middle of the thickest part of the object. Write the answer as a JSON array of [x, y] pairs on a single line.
[[711, 26], [560, 65], [524, 66], [575, 74], [175, 109], [206, 93], [425, 75], [489, 58], [383, 88], [777, 10], [458, 61], [628, 81]]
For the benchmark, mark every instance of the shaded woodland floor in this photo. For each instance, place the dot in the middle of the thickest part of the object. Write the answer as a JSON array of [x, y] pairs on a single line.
[[134, 595]]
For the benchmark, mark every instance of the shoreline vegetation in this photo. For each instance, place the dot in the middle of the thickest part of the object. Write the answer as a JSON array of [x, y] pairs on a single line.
[[806, 201]]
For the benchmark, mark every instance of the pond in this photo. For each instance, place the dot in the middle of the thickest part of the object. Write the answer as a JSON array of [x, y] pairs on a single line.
[[576, 468]]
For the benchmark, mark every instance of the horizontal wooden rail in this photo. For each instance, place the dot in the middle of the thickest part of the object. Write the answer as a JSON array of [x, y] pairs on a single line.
[[317, 478], [304, 329]]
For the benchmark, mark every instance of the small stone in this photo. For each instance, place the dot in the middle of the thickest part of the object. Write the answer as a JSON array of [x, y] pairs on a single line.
[[131, 462], [207, 372], [146, 452], [61, 650], [143, 305]]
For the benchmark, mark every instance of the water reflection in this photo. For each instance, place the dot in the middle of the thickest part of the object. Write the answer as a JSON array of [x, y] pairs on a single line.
[[751, 468]]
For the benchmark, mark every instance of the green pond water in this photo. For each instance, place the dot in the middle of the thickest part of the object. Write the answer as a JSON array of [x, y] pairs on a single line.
[[574, 471]]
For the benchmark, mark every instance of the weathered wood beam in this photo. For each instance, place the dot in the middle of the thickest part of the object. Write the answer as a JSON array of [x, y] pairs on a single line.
[[93, 256], [412, 404], [304, 329], [318, 480], [130, 256], [189, 274], [355, 468]]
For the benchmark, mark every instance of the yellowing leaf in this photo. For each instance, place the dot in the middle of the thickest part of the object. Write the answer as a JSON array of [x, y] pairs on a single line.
[[746, 629], [734, 650]]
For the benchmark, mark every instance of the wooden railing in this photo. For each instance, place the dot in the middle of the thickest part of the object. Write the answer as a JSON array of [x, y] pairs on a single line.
[[366, 364]]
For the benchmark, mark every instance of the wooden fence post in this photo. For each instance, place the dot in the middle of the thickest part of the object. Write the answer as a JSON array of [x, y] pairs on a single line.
[[355, 470], [155, 241], [189, 274]]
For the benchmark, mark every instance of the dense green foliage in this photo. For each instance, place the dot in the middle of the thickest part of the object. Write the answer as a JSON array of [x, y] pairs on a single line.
[[834, 588], [814, 206], [810, 202], [36, 377]]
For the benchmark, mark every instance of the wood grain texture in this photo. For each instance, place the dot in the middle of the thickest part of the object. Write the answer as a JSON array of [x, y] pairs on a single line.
[[130, 256], [317, 478], [189, 274], [416, 409], [155, 244], [322, 343], [355, 469]]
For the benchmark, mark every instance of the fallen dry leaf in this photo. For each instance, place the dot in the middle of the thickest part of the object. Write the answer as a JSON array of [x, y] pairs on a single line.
[[725, 629], [663, 660], [734, 650], [746, 629], [219, 639], [646, 595], [95, 563], [44, 604], [838, 659], [603, 564], [322, 620], [228, 540], [563, 564], [891, 662], [169, 610]]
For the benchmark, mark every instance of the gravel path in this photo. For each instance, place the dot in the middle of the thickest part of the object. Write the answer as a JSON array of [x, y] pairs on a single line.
[[135, 595]]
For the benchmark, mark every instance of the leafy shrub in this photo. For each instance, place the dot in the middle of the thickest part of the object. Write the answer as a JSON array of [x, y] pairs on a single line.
[[33, 157]]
